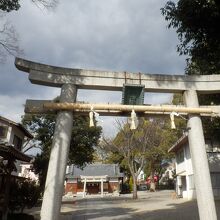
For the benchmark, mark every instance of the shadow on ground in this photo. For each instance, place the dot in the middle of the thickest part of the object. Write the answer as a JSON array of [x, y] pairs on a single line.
[[105, 213], [183, 211]]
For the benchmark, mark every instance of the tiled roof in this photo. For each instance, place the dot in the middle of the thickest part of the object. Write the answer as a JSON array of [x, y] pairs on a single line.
[[96, 169]]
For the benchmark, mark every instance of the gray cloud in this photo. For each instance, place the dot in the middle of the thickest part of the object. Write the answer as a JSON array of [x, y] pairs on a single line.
[[119, 35]]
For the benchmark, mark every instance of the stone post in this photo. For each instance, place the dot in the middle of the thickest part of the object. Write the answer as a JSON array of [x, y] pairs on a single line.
[[204, 193], [84, 188], [58, 158], [102, 190]]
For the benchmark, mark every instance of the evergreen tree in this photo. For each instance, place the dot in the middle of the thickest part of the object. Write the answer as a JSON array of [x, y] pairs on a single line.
[[83, 140]]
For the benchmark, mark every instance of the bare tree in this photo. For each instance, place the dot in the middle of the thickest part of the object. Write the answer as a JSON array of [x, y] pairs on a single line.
[[48, 4], [8, 36], [101, 153], [8, 40], [134, 145]]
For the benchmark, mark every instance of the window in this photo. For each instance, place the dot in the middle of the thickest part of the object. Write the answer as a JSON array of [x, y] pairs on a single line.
[[17, 142], [180, 156], [93, 184], [3, 131]]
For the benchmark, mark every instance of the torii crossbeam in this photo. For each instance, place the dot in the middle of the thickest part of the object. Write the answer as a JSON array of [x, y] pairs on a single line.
[[42, 74], [69, 80]]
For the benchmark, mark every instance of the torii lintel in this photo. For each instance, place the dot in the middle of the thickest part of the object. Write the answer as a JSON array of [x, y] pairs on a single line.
[[48, 75]]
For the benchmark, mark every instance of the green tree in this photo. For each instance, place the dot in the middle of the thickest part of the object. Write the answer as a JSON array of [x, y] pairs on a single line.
[[9, 5], [156, 157], [23, 194], [211, 125], [83, 140], [197, 26], [159, 154]]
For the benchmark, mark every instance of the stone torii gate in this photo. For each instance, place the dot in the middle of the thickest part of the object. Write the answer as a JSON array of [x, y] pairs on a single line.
[[69, 80]]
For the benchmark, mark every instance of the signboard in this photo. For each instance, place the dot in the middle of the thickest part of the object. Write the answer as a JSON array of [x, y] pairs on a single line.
[[133, 94]]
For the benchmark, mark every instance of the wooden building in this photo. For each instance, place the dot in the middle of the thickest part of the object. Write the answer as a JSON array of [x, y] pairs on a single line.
[[94, 179]]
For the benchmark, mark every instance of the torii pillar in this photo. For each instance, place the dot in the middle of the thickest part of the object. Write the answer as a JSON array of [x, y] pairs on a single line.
[[58, 158], [204, 194]]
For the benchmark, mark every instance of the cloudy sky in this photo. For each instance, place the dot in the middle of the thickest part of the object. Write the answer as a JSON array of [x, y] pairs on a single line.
[[118, 35]]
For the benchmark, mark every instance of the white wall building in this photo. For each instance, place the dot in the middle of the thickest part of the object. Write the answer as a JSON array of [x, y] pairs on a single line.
[[141, 177], [184, 169], [26, 172], [15, 134]]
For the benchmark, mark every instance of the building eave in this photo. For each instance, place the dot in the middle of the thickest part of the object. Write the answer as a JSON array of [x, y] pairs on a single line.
[[179, 144], [69, 176], [19, 126]]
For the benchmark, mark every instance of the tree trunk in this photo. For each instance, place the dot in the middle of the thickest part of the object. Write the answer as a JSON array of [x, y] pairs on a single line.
[[135, 187]]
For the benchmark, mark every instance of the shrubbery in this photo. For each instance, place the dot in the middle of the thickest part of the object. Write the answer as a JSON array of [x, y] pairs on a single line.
[[23, 194], [125, 188], [131, 184], [20, 216]]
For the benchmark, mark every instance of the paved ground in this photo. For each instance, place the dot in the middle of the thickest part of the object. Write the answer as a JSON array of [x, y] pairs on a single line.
[[150, 206]]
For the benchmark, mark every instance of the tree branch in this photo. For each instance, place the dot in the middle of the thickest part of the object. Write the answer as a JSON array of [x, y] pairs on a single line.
[[8, 42]]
